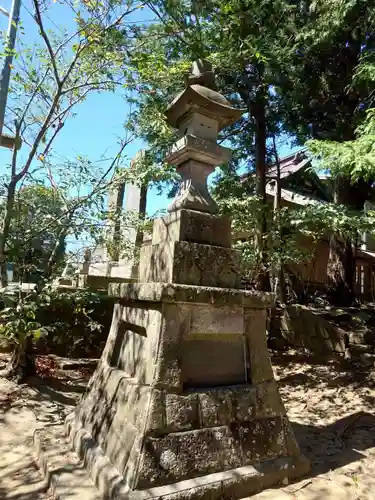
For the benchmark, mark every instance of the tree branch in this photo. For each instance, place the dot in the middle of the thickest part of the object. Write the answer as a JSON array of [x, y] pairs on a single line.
[[39, 21]]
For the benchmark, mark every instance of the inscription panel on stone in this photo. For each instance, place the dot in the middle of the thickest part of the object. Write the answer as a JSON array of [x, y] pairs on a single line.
[[220, 320], [213, 360]]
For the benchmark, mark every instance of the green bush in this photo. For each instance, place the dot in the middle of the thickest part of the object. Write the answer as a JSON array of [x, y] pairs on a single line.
[[71, 323]]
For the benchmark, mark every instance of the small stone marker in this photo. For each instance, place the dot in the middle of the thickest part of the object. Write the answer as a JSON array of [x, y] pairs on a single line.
[[135, 201], [184, 404]]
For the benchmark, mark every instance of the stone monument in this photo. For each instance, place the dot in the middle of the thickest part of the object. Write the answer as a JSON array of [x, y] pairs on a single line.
[[135, 202], [106, 266], [184, 404]]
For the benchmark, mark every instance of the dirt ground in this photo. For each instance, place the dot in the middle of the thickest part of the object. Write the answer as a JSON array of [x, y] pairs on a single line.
[[331, 409]]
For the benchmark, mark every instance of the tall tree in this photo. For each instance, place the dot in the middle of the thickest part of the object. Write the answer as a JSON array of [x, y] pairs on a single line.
[[241, 40], [49, 81], [325, 100]]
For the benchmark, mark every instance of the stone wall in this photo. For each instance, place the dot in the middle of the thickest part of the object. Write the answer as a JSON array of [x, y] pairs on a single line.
[[302, 326], [326, 332]]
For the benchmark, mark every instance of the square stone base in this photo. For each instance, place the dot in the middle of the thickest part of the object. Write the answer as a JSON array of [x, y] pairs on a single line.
[[155, 420], [231, 484]]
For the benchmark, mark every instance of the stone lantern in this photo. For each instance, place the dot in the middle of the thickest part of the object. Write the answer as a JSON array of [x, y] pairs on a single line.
[[199, 113], [184, 404]]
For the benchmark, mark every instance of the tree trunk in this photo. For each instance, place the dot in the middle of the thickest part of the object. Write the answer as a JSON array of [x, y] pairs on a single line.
[[4, 233], [341, 261], [142, 215], [340, 270], [258, 110], [276, 215], [22, 362], [56, 253]]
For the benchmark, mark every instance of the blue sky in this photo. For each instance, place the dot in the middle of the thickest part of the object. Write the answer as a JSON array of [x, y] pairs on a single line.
[[95, 130]]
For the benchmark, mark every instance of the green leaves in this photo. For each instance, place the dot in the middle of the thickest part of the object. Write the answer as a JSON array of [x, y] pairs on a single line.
[[354, 159], [285, 235]]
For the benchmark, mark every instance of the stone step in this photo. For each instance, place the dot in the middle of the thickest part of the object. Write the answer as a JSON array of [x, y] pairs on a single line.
[[358, 337], [364, 358], [361, 348], [64, 472], [75, 363]]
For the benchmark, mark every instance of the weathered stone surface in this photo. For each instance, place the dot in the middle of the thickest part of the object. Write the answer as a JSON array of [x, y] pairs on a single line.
[[201, 97], [216, 407], [129, 347], [182, 411], [193, 226], [268, 400], [261, 439], [173, 292], [217, 319], [235, 483], [119, 442], [167, 363], [157, 418], [264, 475], [145, 255], [212, 360], [305, 327], [201, 152], [192, 264], [291, 445], [193, 193], [184, 455], [255, 327], [224, 405], [244, 403]]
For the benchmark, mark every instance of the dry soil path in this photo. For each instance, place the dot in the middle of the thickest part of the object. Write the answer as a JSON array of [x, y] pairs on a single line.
[[332, 411], [23, 409]]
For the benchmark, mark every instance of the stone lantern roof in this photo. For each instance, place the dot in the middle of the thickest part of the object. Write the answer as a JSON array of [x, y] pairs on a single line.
[[201, 97]]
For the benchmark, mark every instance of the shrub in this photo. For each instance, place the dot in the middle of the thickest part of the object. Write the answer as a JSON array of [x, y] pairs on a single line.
[[70, 323]]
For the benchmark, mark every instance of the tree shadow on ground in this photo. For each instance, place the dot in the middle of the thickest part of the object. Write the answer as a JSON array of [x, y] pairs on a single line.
[[333, 446], [57, 390], [20, 478]]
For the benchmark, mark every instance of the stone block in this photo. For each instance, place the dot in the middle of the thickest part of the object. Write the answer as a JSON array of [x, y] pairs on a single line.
[[197, 149], [191, 264], [244, 403], [217, 319], [212, 360], [181, 411], [130, 351], [133, 340], [291, 445], [253, 479], [132, 401], [239, 404], [184, 455], [268, 400], [193, 226], [255, 329], [119, 442], [167, 363], [261, 439], [156, 419], [144, 269], [174, 293], [216, 407]]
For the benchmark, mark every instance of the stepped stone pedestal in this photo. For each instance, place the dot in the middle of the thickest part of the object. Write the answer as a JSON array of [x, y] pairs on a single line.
[[184, 404]]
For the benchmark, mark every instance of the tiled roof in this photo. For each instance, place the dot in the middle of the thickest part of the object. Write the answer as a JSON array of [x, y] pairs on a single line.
[[288, 165], [292, 196]]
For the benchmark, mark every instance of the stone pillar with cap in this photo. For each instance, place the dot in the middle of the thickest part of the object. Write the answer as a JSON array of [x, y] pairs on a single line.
[[184, 404], [192, 245]]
